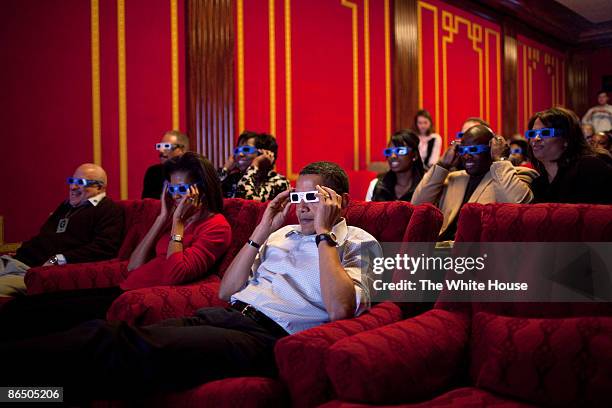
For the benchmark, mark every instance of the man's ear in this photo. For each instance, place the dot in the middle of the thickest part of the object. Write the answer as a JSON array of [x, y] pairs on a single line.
[[345, 200]]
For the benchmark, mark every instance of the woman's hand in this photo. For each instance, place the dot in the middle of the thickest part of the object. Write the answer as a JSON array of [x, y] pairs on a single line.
[[230, 164], [189, 205], [264, 160], [167, 203]]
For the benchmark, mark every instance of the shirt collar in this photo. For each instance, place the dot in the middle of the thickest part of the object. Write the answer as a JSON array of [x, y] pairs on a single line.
[[340, 230], [95, 200]]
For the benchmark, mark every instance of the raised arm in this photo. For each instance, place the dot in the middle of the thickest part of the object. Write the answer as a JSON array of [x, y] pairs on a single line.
[[432, 185], [238, 272], [142, 253]]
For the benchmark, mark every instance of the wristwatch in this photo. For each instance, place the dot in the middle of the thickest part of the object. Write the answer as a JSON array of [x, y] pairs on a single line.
[[330, 237], [176, 238]]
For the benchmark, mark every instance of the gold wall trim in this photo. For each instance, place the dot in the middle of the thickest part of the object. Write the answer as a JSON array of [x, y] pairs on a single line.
[[272, 45], [355, 41], [422, 5], [240, 62], [95, 82], [288, 93], [176, 121], [450, 23], [368, 81], [387, 70], [123, 154]]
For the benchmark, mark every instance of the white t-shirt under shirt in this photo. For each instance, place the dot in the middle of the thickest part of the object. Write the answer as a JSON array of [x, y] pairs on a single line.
[[435, 152], [600, 117]]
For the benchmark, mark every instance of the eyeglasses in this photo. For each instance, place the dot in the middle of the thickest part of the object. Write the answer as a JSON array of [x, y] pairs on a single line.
[[182, 188], [543, 133], [400, 151], [307, 196], [458, 135], [516, 150], [476, 149], [83, 182], [245, 150], [166, 146]]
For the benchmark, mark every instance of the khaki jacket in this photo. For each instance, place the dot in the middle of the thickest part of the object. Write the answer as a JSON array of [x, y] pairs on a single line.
[[503, 183]]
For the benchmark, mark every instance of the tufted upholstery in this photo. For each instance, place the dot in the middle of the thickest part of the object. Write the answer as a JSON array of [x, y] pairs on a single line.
[[139, 216], [545, 354], [300, 357], [150, 305], [239, 392], [467, 397]]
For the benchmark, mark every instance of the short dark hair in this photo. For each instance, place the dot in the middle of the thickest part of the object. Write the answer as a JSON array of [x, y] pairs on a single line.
[[602, 91], [181, 138], [262, 141], [424, 113], [333, 175], [200, 170]]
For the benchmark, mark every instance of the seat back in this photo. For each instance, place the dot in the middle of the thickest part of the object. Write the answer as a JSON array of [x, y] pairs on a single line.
[[391, 221], [139, 216]]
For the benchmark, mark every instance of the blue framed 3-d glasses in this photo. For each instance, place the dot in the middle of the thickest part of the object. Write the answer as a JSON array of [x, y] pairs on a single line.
[[83, 182], [245, 150], [516, 150], [476, 149], [544, 133], [399, 151], [182, 188]]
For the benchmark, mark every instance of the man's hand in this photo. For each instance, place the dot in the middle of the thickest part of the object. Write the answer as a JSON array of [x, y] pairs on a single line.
[[264, 160], [499, 148], [273, 218], [327, 210], [450, 158], [189, 205]]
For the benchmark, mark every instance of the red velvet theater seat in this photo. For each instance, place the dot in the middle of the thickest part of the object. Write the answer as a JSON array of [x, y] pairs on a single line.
[[300, 357], [508, 354], [139, 216], [150, 305]]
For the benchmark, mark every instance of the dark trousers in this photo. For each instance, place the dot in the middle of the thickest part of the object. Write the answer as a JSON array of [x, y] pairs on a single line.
[[28, 316], [100, 360]]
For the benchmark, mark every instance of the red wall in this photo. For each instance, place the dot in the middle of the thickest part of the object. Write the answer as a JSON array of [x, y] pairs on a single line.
[[459, 67], [541, 79], [47, 104], [323, 93]]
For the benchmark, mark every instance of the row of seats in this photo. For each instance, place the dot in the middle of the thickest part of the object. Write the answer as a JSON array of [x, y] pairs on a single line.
[[453, 355]]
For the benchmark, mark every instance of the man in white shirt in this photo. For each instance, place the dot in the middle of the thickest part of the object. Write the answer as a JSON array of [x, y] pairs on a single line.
[[282, 281], [600, 116], [86, 227]]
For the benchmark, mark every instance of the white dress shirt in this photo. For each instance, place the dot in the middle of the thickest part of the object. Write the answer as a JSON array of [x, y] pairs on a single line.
[[285, 282]]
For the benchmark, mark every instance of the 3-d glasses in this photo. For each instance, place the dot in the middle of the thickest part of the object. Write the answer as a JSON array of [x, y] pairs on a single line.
[[245, 150], [83, 182], [516, 150], [476, 149], [166, 146], [182, 188], [543, 133], [458, 135], [399, 151], [307, 196]]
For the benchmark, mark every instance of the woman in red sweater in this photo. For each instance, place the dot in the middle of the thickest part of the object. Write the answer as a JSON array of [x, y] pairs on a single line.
[[187, 238]]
